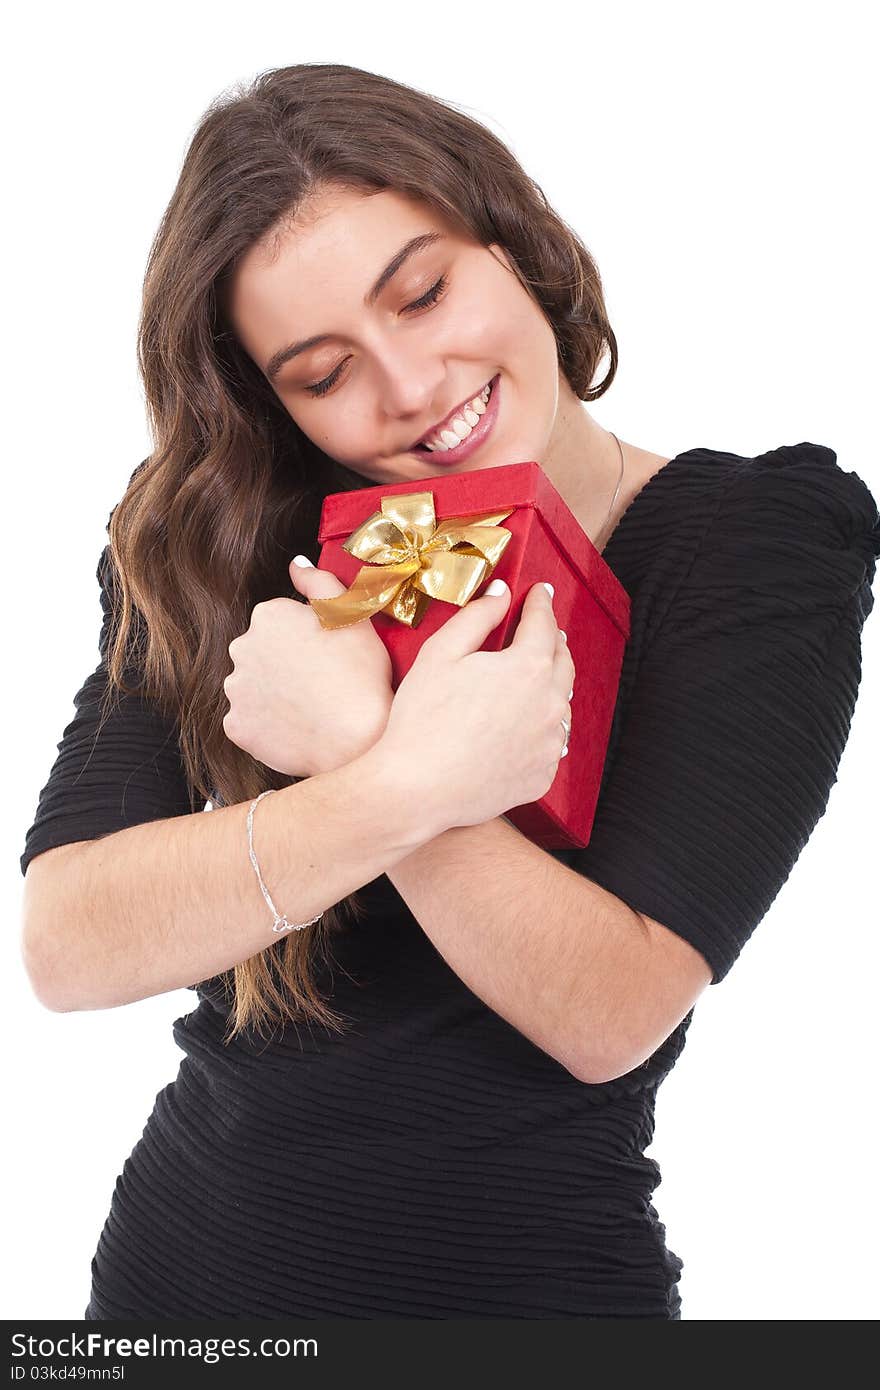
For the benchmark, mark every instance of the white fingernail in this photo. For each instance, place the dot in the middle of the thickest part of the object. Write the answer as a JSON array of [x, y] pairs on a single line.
[[550, 590], [563, 635], [303, 561], [497, 587], [570, 693]]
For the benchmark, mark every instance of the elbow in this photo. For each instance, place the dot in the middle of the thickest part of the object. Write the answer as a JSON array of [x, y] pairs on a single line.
[[49, 980], [49, 1002], [43, 981], [595, 1069], [43, 965], [596, 1075], [586, 1067], [593, 1075], [47, 958]]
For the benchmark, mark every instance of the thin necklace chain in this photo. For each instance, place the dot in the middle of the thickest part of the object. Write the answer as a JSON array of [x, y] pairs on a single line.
[[617, 489]]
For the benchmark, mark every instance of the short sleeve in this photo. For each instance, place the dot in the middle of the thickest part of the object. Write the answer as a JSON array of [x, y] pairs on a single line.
[[742, 705], [129, 772]]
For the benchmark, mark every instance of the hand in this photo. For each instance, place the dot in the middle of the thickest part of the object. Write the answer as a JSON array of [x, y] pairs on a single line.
[[304, 699], [476, 733]]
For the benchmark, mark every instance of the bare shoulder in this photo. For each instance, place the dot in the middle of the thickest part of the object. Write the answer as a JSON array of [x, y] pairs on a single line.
[[647, 462], [640, 466]]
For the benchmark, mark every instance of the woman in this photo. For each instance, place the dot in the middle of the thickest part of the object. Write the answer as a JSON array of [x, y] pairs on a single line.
[[346, 274]]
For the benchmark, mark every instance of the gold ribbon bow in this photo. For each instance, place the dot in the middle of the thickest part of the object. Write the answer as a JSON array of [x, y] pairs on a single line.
[[410, 559]]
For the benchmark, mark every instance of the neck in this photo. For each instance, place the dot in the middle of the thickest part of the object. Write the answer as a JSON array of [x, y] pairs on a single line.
[[583, 464]]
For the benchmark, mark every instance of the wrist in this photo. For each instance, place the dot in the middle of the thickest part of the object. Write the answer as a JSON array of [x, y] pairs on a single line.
[[409, 812]]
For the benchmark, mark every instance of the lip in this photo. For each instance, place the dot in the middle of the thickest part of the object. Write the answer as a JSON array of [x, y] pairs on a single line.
[[480, 432]]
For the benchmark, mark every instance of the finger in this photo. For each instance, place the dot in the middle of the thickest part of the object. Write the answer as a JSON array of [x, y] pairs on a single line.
[[467, 630], [562, 651], [537, 630], [564, 670], [317, 586], [313, 582]]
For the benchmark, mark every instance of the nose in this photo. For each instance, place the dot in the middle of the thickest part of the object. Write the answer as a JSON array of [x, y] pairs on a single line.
[[409, 387]]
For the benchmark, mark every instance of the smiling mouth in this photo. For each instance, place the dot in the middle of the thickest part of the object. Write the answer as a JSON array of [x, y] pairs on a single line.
[[444, 438], [460, 448]]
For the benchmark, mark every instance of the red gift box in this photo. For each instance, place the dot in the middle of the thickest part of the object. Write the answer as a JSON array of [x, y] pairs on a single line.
[[545, 542]]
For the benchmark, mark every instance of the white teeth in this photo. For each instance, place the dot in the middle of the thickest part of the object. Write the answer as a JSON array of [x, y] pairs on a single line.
[[461, 426], [460, 429]]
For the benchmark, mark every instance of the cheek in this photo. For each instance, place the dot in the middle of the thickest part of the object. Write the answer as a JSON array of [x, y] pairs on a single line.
[[342, 436], [327, 426]]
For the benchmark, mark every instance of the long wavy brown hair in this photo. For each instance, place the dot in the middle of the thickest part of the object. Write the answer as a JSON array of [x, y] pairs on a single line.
[[233, 488]]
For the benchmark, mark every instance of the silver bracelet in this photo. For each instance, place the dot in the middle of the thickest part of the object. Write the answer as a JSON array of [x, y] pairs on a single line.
[[280, 923]]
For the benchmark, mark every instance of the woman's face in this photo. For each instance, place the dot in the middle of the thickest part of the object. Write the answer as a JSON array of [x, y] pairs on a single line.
[[451, 318]]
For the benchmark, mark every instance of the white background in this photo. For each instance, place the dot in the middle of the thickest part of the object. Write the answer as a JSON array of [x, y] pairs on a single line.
[[717, 164]]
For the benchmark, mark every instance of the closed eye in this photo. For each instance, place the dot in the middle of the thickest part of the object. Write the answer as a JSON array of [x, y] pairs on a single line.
[[429, 298]]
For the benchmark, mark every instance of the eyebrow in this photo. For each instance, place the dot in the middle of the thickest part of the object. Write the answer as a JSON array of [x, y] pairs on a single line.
[[416, 243]]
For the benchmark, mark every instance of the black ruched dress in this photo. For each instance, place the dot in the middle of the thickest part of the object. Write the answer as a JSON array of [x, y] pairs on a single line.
[[432, 1162]]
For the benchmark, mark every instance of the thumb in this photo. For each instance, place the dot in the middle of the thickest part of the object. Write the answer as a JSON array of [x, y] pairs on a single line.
[[467, 630], [314, 583]]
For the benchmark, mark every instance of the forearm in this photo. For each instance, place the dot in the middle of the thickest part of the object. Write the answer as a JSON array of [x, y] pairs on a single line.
[[548, 950], [163, 905]]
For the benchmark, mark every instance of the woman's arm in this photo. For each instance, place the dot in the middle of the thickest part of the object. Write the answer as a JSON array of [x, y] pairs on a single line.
[[162, 905], [729, 749], [574, 968]]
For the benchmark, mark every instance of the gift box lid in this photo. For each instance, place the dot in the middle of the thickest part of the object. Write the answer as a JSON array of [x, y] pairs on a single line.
[[513, 485]]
